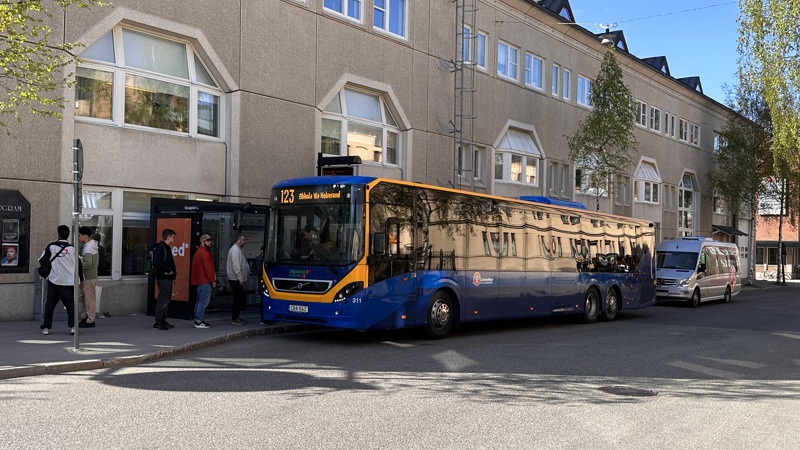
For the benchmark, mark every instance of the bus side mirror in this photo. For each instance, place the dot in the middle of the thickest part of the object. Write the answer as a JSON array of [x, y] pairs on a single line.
[[379, 243]]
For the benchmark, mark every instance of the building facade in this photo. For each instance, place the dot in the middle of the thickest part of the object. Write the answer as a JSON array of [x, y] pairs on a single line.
[[218, 100]]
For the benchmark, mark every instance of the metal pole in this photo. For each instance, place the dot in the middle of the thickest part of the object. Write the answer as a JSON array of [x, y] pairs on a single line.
[[77, 175]]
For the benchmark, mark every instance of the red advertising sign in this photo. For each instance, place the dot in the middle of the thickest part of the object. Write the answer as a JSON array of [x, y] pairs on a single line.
[[180, 253]]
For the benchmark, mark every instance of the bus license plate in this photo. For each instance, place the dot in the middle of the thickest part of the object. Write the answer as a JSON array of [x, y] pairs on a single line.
[[298, 308]]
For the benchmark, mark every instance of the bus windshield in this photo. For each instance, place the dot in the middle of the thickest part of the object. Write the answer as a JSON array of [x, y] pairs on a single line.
[[318, 233]]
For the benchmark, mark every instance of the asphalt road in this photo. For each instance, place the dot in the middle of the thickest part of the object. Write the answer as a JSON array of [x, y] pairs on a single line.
[[721, 376]]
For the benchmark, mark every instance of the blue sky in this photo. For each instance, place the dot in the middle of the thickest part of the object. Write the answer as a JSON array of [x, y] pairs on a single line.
[[698, 37]]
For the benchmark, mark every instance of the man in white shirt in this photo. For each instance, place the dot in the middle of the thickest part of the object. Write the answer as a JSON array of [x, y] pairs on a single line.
[[237, 270], [61, 281]]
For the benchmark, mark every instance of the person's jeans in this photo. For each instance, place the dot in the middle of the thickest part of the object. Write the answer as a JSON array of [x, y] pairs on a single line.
[[203, 297]]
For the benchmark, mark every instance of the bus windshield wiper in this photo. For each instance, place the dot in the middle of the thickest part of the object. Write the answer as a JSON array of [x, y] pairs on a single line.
[[327, 263]]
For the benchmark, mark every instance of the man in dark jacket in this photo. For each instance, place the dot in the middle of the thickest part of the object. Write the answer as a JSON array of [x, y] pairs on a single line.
[[164, 267]]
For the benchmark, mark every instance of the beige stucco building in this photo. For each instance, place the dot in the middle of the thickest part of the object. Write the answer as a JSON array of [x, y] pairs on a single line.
[[218, 100]]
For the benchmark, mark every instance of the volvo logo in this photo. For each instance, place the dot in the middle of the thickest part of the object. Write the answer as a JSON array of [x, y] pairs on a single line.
[[301, 285]]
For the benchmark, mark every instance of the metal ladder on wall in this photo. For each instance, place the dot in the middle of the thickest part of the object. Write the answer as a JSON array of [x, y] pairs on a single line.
[[464, 88]]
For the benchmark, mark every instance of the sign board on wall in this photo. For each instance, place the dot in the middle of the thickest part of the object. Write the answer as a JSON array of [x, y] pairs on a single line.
[[180, 253], [15, 218]]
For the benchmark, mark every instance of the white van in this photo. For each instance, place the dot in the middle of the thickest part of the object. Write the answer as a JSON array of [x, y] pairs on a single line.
[[697, 269]]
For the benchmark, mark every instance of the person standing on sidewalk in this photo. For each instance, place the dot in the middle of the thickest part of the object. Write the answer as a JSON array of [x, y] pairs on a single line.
[[204, 277], [237, 270], [61, 280], [87, 297], [164, 267]]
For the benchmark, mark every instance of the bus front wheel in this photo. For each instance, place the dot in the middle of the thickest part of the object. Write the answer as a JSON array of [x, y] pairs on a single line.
[[440, 316], [591, 307]]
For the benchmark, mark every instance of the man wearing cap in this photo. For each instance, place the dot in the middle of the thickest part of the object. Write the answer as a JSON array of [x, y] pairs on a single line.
[[204, 277]]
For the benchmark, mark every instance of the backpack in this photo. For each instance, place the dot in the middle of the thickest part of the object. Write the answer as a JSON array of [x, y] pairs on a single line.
[[148, 262], [46, 262]]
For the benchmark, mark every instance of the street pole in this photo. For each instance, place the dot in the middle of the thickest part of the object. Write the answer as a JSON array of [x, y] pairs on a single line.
[[77, 199]]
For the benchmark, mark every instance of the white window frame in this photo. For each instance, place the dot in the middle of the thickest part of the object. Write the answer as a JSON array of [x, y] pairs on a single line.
[[584, 95], [566, 90], [554, 83], [694, 134], [467, 49], [719, 142], [655, 119], [346, 13], [387, 14], [686, 215], [718, 204], [525, 158], [511, 54], [119, 71], [683, 130], [669, 125], [641, 113], [534, 71], [582, 183], [481, 50]]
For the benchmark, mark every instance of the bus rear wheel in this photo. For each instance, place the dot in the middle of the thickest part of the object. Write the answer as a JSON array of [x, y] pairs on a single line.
[[591, 306], [440, 316], [612, 306]]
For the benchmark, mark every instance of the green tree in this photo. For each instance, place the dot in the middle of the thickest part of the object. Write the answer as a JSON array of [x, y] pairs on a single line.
[[744, 159], [31, 61], [604, 145], [769, 61]]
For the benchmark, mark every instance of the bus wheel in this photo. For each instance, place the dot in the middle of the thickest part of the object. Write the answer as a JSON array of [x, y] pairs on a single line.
[[440, 316], [727, 297], [694, 302], [591, 307], [612, 306]]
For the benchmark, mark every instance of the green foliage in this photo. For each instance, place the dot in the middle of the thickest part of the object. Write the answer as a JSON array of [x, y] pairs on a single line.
[[31, 65], [769, 60], [744, 158], [604, 144]]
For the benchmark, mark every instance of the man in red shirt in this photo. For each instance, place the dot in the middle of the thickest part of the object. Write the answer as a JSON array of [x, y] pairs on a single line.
[[204, 277]]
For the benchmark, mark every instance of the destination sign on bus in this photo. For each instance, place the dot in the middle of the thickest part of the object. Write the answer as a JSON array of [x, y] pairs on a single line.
[[311, 194]]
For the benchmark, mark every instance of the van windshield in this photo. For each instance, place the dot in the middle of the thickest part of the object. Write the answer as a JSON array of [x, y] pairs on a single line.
[[676, 260]]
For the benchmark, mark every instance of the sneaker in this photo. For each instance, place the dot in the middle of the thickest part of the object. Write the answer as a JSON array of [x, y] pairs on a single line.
[[86, 325], [160, 326], [72, 330], [45, 331], [238, 321], [201, 325], [83, 321]]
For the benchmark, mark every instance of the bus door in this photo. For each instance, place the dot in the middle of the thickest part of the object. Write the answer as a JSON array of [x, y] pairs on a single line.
[[392, 277]]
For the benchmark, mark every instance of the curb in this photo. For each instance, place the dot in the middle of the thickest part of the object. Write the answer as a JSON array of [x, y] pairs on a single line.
[[93, 364]]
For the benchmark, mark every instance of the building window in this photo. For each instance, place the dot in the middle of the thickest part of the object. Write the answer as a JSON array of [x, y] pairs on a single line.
[[622, 185], [641, 113], [588, 181], [719, 142], [480, 49], [695, 134], [655, 119], [683, 130], [349, 8], [554, 80], [389, 16], [478, 157], [511, 167], [669, 125], [164, 85], [533, 71], [466, 43], [358, 123], [470, 164], [565, 91], [719, 203], [584, 91], [507, 60], [686, 206]]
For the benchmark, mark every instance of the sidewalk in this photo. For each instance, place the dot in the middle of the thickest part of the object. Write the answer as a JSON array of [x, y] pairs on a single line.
[[116, 341]]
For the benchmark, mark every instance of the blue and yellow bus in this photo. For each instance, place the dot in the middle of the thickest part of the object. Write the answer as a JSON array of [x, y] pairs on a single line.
[[370, 253]]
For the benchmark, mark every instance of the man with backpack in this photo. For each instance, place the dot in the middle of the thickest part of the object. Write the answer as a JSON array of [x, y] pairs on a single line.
[[165, 272], [59, 256]]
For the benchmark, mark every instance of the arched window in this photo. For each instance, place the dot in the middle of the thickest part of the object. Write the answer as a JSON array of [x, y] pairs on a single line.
[[135, 78], [358, 123]]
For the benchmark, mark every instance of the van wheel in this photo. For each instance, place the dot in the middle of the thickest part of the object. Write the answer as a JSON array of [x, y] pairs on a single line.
[[727, 297], [591, 306], [694, 302], [440, 316], [612, 306]]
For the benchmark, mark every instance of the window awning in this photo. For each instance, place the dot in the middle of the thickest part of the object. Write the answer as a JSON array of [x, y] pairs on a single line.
[[647, 171], [518, 141], [731, 231]]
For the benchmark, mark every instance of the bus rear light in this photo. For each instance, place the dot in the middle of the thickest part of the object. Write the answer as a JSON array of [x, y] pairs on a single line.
[[348, 290], [403, 317], [475, 313]]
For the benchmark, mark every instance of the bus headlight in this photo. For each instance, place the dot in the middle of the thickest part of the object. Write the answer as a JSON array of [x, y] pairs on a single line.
[[264, 290], [348, 290]]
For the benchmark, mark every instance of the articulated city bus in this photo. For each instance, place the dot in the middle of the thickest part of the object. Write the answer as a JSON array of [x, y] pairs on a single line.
[[370, 253]]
